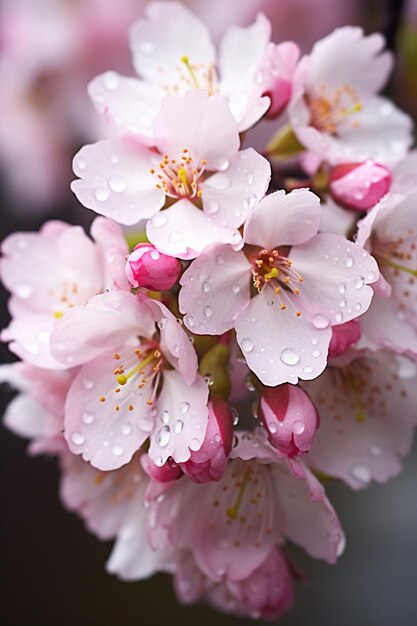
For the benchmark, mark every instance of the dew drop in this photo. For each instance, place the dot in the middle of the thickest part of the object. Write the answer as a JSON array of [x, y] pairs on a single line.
[[250, 178], [235, 415], [80, 163], [247, 345], [220, 259], [117, 450], [190, 321], [307, 369], [178, 426], [110, 80], [211, 207], [320, 321], [158, 220], [349, 261], [147, 47], [116, 184], [87, 383], [159, 461], [101, 194], [175, 236], [375, 450], [316, 353], [154, 254], [299, 427], [370, 276], [338, 317], [359, 282], [185, 407], [87, 418], [207, 311], [24, 291], [361, 473], [206, 287], [289, 356], [126, 429], [222, 164], [194, 444], [272, 427], [342, 288], [163, 436], [77, 438], [165, 417]]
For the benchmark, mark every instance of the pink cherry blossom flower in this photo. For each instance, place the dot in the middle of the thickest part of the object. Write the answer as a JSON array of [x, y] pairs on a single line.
[[112, 507], [266, 593], [289, 417], [209, 462], [364, 434], [359, 186], [260, 501], [388, 232], [194, 135], [173, 53], [51, 271], [37, 412], [305, 283], [335, 112], [138, 379], [146, 267]]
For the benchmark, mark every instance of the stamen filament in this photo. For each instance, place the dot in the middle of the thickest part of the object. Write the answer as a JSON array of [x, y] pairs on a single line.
[[187, 64], [123, 378], [233, 511]]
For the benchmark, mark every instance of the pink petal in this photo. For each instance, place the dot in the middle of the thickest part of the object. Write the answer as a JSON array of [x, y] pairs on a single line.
[[284, 219], [182, 419], [200, 123], [108, 319], [105, 435], [336, 274], [168, 33], [229, 196], [278, 346], [184, 231], [215, 289], [132, 104], [112, 244], [115, 180]]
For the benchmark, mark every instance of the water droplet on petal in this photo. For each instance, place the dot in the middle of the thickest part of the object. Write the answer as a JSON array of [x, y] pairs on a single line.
[[206, 287], [165, 417], [207, 311], [116, 184], [158, 220], [24, 291], [101, 194], [359, 282], [235, 415], [159, 461], [147, 47], [110, 80], [272, 427], [349, 261], [163, 436], [178, 426], [222, 164], [342, 288], [361, 473], [185, 406], [77, 438], [320, 321], [126, 429], [80, 163], [338, 317], [175, 236], [307, 369], [194, 444], [316, 353], [236, 288], [299, 427], [289, 356], [117, 450], [87, 418], [211, 207], [247, 345], [87, 383]]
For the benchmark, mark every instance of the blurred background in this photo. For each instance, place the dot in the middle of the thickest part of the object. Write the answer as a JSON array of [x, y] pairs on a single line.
[[52, 570]]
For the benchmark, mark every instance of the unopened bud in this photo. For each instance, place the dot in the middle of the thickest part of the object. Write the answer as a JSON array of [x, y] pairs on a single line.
[[289, 417], [210, 461], [277, 72], [164, 474], [359, 186], [149, 268], [344, 336]]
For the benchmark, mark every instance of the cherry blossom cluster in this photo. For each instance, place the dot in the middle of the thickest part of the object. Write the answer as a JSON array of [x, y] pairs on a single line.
[[238, 328]]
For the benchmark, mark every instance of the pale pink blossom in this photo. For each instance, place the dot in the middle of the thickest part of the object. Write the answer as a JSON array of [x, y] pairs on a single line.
[[196, 161], [335, 111], [389, 233], [306, 283], [260, 502], [368, 412], [172, 53], [138, 379], [289, 417], [53, 270], [267, 592], [359, 186]]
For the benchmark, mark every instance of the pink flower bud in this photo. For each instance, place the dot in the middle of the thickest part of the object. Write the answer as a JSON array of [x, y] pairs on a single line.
[[343, 336], [147, 267], [289, 417], [164, 474], [277, 74], [359, 186], [209, 462]]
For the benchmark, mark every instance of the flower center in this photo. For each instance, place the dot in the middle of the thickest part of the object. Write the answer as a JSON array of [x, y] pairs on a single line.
[[399, 254], [274, 269], [330, 110], [144, 370], [179, 177]]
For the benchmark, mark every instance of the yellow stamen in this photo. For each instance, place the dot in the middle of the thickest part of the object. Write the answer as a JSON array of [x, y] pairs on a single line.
[[233, 511], [184, 59], [123, 378]]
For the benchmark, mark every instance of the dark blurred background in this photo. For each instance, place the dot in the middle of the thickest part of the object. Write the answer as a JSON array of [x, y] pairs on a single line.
[[52, 570]]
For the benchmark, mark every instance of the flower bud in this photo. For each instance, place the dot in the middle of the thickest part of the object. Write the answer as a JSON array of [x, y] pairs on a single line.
[[277, 73], [359, 186], [149, 268], [289, 417], [209, 462], [164, 474], [344, 336]]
